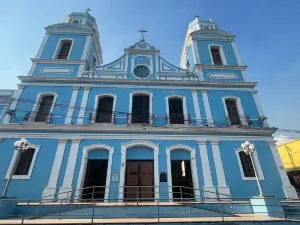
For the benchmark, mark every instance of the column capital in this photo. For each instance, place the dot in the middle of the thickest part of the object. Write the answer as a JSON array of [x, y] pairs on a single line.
[[87, 88], [214, 142], [76, 141], [194, 90], [202, 142], [272, 143], [254, 91], [62, 140], [204, 90], [76, 87], [21, 87]]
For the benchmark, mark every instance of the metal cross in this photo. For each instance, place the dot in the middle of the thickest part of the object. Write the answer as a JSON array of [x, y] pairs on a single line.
[[142, 31], [88, 10], [196, 16]]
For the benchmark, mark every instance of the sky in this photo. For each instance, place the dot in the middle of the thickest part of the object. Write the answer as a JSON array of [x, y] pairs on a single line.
[[267, 35]]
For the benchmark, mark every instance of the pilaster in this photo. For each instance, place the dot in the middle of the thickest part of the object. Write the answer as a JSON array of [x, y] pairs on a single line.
[[207, 108], [83, 105], [197, 107], [258, 106], [70, 112], [15, 96]]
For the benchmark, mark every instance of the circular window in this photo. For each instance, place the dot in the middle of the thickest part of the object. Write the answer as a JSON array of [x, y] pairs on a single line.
[[141, 71]]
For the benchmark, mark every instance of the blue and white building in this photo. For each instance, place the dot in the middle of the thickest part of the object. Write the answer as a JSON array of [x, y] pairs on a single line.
[[138, 127]]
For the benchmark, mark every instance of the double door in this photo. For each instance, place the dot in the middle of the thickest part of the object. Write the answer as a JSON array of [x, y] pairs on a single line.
[[139, 180]]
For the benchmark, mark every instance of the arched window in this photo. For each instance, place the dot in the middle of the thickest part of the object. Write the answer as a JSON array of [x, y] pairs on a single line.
[[216, 55], [44, 110], [176, 115], [94, 61], [104, 110], [247, 165], [64, 49], [24, 162], [140, 108], [233, 112]]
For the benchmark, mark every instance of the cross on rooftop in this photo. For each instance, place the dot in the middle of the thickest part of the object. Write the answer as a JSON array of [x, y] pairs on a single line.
[[88, 10], [196, 16], [142, 31]]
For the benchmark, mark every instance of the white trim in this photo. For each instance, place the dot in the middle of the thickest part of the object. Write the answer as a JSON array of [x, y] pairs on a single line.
[[288, 189], [86, 47], [222, 186], [135, 143], [81, 69], [84, 99], [195, 179], [257, 166], [237, 55], [150, 94], [50, 189], [197, 107], [72, 103], [126, 62], [15, 96], [245, 76], [38, 100], [94, 57], [209, 118], [259, 108], [95, 109], [183, 98], [32, 69], [222, 76], [144, 78], [239, 108], [58, 47], [83, 165], [42, 46], [196, 52], [16, 156], [221, 51]]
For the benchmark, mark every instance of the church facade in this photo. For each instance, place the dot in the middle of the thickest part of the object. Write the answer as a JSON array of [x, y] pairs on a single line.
[[138, 127]]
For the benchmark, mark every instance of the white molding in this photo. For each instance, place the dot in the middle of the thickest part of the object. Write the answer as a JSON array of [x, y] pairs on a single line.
[[58, 47], [195, 179], [60, 70], [71, 107], [70, 169], [237, 55], [135, 143], [126, 62], [257, 166], [16, 156], [222, 76], [245, 76], [50, 189], [150, 94], [183, 98], [197, 107], [15, 96], [82, 111], [288, 189], [59, 61], [239, 108], [196, 52], [222, 186], [81, 69], [94, 57], [42, 46], [95, 109], [86, 48], [221, 51], [209, 117], [83, 165], [259, 108]]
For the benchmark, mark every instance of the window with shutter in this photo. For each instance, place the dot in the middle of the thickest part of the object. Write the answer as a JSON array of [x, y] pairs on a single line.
[[233, 113], [246, 164], [140, 109], [176, 111], [216, 56], [64, 50], [24, 162], [44, 109], [104, 110]]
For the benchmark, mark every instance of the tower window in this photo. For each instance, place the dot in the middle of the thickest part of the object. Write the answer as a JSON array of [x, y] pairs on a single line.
[[24, 162], [64, 49], [44, 109], [94, 61], [176, 111], [104, 110], [75, 21], [233, 113], [216, 56], [246, 164]]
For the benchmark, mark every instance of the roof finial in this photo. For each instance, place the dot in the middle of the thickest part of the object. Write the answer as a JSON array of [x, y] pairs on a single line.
[[142, 31], [88, 10], [196, 16]]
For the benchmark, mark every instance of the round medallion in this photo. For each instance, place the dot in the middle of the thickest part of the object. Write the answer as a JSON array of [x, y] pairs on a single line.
[[141, 71]]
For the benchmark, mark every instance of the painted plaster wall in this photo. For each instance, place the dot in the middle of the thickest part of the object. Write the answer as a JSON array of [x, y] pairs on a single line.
[[204, 54]]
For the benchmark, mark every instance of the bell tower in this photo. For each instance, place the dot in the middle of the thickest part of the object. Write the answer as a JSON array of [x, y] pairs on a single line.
[[69, 48]]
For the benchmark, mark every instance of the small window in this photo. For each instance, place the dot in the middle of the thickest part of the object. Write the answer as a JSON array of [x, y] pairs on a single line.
[[246, 164], [94, 61], [206, 27], [24, 162], [188, 66], [44, 111], [64, 49], [105, 110], [75, 21], [216, 56], [233, 112]]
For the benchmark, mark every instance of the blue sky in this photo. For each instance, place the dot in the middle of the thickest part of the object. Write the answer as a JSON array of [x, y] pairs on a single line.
[[267, 35]]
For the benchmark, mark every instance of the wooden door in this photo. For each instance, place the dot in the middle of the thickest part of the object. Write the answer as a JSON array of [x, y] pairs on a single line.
[[146, 179]]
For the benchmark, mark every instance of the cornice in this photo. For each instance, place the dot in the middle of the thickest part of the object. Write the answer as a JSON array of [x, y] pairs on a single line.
[[141, 51], [220, 67], [133, 129], [58, 61]]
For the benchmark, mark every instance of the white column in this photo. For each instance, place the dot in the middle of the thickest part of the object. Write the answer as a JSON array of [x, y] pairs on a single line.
[[197, 107], [86, 48], [156, 173], [69, 116], [288, 189], [50, 190], [209, 189], [68, 178], [15, 99], [195, 175], [196, 52], [237, 55], [207, 108], [83, 105], [259, 108], [122, 173], [42, 46], [222, 186]]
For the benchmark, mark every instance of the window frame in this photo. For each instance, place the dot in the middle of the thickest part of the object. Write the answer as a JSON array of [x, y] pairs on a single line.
[[222, 54], [239, 108], [257, 166], [183, 98], [150, 94], [94, 114], [15, 157], [59, 45], [75, 19]]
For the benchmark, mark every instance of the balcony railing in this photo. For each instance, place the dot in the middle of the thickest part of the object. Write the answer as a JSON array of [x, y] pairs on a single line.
[[34, 117]]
